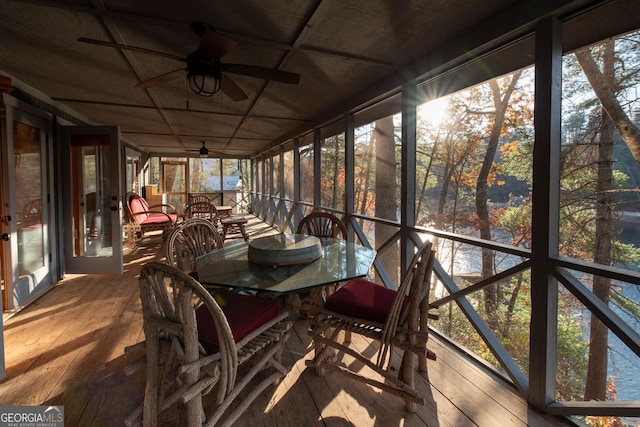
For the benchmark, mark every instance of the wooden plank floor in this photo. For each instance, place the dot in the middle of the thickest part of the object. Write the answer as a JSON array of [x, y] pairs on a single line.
[[67, 349]]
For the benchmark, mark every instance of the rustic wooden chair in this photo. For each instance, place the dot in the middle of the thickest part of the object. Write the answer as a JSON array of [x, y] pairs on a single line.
[[396, 319], [190, 239], [199, 198], [322, 224], [203, 210], [201, 345], [141, 218]]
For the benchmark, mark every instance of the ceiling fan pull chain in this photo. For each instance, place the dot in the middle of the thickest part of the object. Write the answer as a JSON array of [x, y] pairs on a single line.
[[186, 89]]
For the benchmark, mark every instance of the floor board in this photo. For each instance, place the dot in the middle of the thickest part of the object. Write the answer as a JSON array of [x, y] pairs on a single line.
[[67, 348]]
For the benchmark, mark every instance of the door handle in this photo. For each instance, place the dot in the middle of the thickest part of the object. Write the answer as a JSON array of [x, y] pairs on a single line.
[[4, 237]]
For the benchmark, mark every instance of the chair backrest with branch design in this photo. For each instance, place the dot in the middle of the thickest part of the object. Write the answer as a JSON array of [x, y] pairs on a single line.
[[322, 224], [198, 198], [193, 347], [190, 239], [204, 210]]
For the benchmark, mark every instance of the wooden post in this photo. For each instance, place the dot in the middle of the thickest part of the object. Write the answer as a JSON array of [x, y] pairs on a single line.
[[546, 210]]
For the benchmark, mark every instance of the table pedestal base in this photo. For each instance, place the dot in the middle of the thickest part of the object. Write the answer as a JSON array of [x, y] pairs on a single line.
[[306, 304]]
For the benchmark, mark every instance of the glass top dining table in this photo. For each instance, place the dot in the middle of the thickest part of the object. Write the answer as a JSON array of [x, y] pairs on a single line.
[[230, 267]]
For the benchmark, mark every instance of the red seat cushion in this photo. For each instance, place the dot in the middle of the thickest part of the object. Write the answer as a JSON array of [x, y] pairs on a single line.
[[244, 313], [362, 299]]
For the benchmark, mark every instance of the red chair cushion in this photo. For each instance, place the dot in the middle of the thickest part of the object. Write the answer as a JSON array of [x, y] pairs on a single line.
[[138, 205], [362, 299], [244, 313]]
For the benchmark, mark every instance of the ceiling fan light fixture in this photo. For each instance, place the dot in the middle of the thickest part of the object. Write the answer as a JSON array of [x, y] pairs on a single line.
[[204, 85], [204, 74], [204, 151]]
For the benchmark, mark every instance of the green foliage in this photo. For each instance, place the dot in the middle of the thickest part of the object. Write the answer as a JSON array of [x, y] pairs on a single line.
[[627, 305], [516, 221], [517, 159], [455, 325], [571, 354]]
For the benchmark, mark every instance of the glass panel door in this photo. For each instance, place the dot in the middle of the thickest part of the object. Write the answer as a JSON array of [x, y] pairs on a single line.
[[27, 161], [26, 255], [92, 202]]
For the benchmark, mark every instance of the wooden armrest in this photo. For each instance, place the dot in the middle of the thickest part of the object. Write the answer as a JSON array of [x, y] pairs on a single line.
[[163, 205]]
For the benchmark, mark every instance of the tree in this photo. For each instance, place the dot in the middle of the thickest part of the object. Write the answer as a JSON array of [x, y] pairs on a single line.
[[364, 173], [596, 381], [500, 104], [332, 180], [606, 87], [605, 80], [386, 194]]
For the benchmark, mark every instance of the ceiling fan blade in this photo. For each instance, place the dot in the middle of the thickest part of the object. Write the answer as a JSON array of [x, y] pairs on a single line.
[[215, 45], [262, 73], [231, 89], [132, 48], [162, 78]]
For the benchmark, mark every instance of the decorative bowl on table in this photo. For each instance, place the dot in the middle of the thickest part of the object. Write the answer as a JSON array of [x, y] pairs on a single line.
[[284, 249]]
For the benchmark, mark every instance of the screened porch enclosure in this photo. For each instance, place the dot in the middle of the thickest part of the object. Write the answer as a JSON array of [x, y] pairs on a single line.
[[507, 132], [533, 215]]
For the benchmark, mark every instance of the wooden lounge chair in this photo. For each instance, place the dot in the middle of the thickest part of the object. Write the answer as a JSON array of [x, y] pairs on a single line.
[[190, 239], [322, 224], [203, 350], [142, 218], [396, 319]]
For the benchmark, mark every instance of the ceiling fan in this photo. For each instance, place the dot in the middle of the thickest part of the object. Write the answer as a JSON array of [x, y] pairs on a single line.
[[202, 151], [205, 71]]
